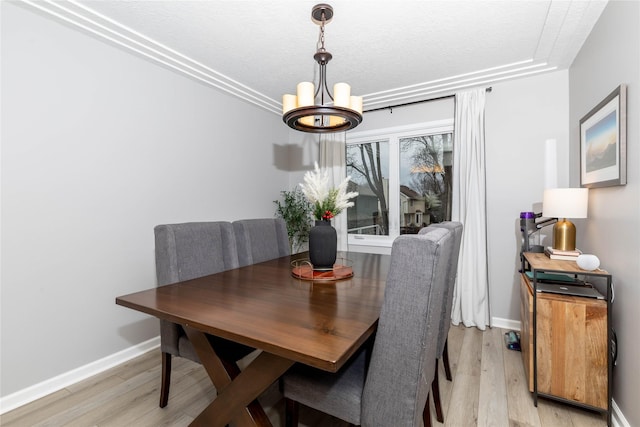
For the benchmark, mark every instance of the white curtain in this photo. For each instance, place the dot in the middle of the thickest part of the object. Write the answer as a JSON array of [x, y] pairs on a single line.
[[471, 292], [333, 157]]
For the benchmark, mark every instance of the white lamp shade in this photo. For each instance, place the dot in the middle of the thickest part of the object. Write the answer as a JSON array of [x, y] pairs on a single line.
[[565, 202]]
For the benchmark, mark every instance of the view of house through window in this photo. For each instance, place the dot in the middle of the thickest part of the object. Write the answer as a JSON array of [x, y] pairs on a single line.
[[403, 178], [368, 166]]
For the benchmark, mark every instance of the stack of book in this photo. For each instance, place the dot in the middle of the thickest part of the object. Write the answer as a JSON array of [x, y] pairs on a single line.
[[563, 255]]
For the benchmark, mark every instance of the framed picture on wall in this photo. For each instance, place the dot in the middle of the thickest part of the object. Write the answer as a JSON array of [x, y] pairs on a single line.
[[603, 142]]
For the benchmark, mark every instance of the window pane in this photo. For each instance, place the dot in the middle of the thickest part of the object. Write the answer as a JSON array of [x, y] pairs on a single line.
[[368, 166], [425, 181]]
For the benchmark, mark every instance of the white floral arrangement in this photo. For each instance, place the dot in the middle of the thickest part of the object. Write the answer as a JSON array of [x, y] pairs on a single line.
[[327, 202]]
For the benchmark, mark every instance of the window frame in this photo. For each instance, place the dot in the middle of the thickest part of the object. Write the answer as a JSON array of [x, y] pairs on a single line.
[[392, 135]]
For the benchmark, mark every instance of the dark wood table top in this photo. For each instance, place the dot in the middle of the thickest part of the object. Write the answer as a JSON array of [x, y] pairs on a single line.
[[262, 305]]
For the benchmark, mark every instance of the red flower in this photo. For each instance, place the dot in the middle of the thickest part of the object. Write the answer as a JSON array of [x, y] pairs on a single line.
[[327, 215]]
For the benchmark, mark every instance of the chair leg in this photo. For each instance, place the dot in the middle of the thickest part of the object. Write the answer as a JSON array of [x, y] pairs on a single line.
[[426, 414], [445, 360], [435, 390], [166, 379], [291, 411]]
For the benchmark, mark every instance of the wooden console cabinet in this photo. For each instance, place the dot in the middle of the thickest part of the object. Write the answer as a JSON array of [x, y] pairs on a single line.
[[566, 340]]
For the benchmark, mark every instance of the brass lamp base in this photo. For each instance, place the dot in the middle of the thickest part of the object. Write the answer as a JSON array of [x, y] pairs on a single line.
[[564, 235]]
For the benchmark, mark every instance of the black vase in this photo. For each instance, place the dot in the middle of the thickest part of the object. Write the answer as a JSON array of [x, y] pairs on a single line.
[[323, 244]]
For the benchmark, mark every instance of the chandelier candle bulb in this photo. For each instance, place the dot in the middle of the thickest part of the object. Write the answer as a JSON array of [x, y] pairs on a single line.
[[341, 95], [289, 102], [355, 103], [305, 94]]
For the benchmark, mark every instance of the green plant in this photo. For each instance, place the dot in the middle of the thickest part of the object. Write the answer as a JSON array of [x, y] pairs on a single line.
[[295, 209]]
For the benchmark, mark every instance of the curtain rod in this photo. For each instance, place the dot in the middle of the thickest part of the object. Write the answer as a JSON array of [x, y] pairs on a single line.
[[391, 107]]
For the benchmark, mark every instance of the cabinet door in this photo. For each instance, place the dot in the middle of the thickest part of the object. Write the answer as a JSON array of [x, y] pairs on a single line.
[[526, 332], [572, 348]]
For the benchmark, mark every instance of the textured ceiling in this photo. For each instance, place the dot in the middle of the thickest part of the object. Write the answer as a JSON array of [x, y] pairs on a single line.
[[389, 52]]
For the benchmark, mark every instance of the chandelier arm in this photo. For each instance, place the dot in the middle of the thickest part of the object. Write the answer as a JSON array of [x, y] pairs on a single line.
[[319, 88], [323, 75]]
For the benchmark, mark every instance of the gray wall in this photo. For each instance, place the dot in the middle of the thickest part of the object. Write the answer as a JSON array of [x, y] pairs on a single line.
[[520, 116], [609, 57], [99, 146]]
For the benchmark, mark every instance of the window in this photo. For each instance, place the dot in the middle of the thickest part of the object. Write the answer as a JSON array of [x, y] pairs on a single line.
[[403, 177]]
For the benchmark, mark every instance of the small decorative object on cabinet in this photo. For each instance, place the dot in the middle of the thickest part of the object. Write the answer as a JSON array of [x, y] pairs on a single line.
[[588, 262], [566, 337]]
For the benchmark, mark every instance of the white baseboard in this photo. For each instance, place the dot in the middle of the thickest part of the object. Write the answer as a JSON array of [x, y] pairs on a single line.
[[498, 322], [617, 417], [36, 391]]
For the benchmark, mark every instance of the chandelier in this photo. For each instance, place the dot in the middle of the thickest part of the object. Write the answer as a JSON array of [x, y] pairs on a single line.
[[301, 112]]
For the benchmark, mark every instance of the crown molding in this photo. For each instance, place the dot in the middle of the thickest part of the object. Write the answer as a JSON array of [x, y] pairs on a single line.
[[88, 20], [450, 85]]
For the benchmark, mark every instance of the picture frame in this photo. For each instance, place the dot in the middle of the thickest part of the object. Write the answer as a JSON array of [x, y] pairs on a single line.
[[603, 142]]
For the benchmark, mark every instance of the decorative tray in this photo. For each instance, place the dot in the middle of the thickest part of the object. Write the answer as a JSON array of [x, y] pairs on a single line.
[[303, 269]]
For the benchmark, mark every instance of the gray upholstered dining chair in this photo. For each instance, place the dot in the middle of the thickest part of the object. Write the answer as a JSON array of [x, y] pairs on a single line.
[[261, 239], [187, 251], [445, 320], [387, 385]]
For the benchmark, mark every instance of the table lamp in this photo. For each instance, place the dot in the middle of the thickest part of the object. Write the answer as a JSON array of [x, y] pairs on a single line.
[[565, 203]]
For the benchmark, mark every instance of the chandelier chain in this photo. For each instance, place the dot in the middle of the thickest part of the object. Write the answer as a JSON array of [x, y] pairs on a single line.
[[320, 45]]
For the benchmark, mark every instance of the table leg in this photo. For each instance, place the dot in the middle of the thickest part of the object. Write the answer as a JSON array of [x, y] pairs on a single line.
[[237, 391]]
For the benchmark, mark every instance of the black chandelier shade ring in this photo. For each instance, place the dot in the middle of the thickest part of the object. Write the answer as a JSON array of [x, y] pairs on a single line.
[[351, 118]]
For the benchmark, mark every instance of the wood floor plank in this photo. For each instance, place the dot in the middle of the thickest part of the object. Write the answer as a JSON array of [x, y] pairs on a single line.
[[99, 414], [109, 398], [27, 414], [492, 402], [36, 415], [519, 400], [149, 360], [128, 395], [466, 383], [553, 414], [192, 388], [454, 344], [583, 418]]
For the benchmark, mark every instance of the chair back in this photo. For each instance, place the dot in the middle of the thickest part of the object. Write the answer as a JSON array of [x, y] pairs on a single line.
[[401, 368], [261, 239], [452, 270], [195, 249]]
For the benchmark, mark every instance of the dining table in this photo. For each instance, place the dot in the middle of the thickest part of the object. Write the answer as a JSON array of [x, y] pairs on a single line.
[[280, 307]]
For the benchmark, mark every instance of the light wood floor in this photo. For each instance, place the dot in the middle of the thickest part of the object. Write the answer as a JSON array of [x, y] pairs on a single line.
[[488, 389]]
